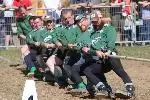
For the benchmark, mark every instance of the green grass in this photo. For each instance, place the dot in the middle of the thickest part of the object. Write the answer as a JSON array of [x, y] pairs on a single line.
[[13, 54], [136, 51]]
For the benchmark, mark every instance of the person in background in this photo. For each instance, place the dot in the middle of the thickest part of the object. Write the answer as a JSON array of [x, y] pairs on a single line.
[[2, 27], [40, 7], [8, 16], [119, 11], [145, 28], [18, 3], [53, 9]]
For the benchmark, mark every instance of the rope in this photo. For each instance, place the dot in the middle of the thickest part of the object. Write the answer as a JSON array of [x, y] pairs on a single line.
[[129, 58], [10, 46]]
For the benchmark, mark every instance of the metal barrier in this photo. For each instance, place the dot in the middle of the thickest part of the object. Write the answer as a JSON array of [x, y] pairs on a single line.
[[143, 24], [124, 25], [129, 28]]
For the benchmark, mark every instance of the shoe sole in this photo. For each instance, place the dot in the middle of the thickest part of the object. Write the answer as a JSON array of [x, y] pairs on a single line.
[[123, 95]]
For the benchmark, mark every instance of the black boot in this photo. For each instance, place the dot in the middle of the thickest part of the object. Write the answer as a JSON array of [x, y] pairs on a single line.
[[127, 94], [102, 92], [130, 90]]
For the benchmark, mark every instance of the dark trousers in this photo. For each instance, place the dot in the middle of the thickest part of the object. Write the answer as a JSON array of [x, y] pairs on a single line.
[[77, 71], [69, 61], [95, 71], [117, 67]]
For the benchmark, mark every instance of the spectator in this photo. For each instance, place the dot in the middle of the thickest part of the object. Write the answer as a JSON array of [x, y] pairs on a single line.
[[53, 8], [40, 8], [8, 16], [126, 9], [128, 28], [18, 3], [2, 28], [120, 11], [116, 15], [145, 9], [145, 28], [116, 2]]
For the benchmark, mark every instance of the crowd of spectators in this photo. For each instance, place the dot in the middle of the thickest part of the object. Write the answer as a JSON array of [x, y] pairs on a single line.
[[120, 11]]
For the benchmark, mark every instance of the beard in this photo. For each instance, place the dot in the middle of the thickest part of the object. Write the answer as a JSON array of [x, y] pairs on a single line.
[[83, 28], [98, 26]]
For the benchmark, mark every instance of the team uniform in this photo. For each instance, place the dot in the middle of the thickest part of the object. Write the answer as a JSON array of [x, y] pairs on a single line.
[[95, 72], [77, 69], [33, 38], [95, 40], [108, 40], [23, 27], [67, 35]]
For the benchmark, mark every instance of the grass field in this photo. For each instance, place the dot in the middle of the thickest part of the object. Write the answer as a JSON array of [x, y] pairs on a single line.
[[136, 51], [12, 80]]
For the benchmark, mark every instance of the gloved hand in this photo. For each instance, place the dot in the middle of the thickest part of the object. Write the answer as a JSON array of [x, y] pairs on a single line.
[[71, 46], [37, 44], [108, 53], [101, 54], [58, 44], [47, 45], [85, 49]]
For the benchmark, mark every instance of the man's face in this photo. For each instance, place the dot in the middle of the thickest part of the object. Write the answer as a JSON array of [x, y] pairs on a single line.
[[96, 23], [84, 23], [38, 23], [68, 18], [23, 12], [32, 23], [49, 25], [96, 20]]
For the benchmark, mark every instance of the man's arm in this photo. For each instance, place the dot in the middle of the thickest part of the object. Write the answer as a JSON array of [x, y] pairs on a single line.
[[111, 39], [144, 3], [20, 31]]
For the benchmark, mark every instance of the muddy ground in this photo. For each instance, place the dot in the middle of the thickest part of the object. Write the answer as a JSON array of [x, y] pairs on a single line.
[[12, 83]]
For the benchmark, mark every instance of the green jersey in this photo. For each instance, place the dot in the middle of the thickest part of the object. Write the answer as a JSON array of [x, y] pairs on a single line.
[[66, 34], [84, 40], [35, 35], [23, 26], [48, 36], [103, 39], [111, 36]]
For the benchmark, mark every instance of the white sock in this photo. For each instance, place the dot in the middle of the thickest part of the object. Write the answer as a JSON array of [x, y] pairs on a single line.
[[99, 84], [128, 84]]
